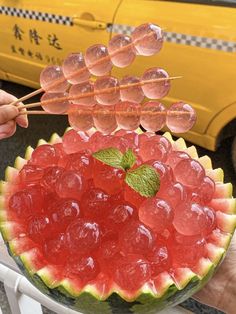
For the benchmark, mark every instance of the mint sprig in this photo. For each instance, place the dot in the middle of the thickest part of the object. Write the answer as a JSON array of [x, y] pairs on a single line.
[[143, 179], [110, 156], [113, 157], [128, 159]]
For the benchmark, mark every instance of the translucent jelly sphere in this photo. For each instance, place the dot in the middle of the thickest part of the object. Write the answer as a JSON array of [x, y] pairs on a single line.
[[80, 117], [55, 105], [189, 172], [153, 116], [107, 90], [80, 89], [156, 214], [121, 50], [52, 79], [104, 118], [155, 90], [132, 93], [180, 117], [147, 39], [98, 60], [128, 115], [74, 68]]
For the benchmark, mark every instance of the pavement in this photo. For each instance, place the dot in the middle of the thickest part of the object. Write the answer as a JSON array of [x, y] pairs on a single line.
[[44, 126]]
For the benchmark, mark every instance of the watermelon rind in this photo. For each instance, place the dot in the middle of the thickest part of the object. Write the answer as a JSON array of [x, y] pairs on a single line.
[[167, 290]]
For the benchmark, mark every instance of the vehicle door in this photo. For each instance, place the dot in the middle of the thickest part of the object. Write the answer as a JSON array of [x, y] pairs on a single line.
[[36, 33]]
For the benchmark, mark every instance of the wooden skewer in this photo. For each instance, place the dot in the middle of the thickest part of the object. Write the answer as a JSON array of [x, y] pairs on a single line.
[[86, 111], [80, 71], [34, 93], [102, 91]]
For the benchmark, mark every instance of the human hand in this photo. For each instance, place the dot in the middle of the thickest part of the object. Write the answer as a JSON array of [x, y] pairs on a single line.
[[220, 291], [9, 116]]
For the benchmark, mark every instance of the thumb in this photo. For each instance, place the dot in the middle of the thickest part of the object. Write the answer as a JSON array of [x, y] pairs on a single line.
[[8, 113]]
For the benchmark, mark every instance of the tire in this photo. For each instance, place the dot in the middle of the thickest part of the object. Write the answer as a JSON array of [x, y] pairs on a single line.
[[233, 153]]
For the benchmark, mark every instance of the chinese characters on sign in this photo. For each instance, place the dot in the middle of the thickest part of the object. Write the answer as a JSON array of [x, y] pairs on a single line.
[[35, 39], [37, 56]]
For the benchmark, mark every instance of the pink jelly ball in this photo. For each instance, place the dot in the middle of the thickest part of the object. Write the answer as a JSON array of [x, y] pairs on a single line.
[[155, 89], [52, 79], [70, 184], [83, 235], [50, 177], [188, 255], [51, 102], [82, 94], [192, 219], [165, 172], [55, 250], [175, 157], [95, 203], [80, 117], [159, 259], [98, 60], [121, 50], [136, 238], [103, 175], [74, 68], [133, 197], [174, 192], [104, 118], [131, 272], [156, 213], [132, 92], [147, 39], [156, 147], [81, 162], [107, 90], [206, 190], [30, 174], [128, 115], [180, 117], [153, 116], [74, 142], [44, 155], [189, 172], [86, 268]]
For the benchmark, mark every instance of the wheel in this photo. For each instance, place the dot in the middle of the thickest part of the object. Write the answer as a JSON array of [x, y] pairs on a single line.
[[233, 153]]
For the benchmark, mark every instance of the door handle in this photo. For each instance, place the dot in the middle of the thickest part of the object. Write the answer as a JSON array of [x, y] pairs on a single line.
[[89, 23]]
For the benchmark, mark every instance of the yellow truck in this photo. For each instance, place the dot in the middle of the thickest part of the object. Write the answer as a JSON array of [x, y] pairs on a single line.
[[200, 46]]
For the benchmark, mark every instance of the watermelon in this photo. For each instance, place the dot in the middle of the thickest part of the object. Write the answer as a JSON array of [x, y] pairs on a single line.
[[109, 223]]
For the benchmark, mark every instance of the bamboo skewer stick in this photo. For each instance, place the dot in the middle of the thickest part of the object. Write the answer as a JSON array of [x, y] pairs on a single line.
[[102, 91], [86, 111], [97, 62]]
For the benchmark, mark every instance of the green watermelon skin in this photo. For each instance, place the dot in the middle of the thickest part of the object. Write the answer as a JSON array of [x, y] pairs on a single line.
[[173, 289]]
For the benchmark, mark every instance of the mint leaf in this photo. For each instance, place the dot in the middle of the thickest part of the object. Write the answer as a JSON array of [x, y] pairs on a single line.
[[128, 159], [110, 156], [144, 180]]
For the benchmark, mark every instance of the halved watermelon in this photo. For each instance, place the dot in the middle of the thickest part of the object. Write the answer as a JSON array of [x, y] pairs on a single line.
[[91, 285]]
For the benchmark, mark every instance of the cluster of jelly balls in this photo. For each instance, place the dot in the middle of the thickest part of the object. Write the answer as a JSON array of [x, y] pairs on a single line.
[[108, 103], [89, 223]]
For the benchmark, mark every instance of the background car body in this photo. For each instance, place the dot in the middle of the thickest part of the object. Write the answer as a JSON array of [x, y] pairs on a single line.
[[200, 45]]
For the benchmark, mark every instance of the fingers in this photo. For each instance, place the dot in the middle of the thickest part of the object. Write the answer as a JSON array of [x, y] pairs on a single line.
[[5, 99], [8, 113], [7, 129], [22, 120]]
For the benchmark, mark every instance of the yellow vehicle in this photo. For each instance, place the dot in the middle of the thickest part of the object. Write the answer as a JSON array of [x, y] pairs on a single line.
[[200, 46]]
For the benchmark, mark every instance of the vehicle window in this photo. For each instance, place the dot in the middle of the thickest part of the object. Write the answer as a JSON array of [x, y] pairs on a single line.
[[228, 3]]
